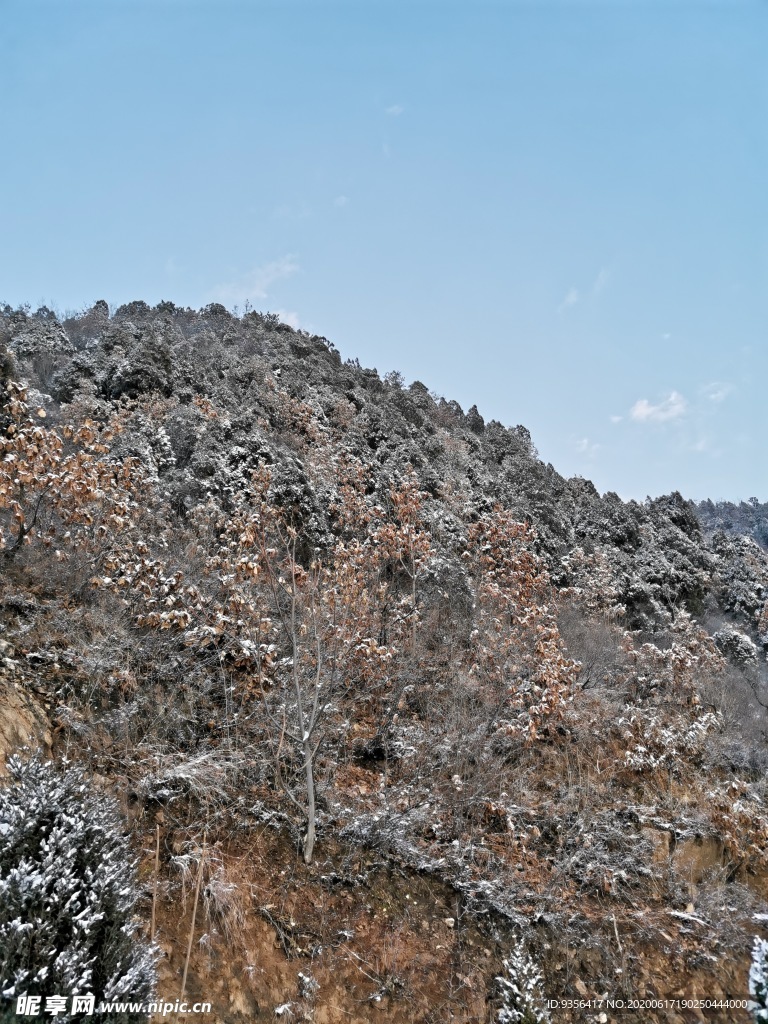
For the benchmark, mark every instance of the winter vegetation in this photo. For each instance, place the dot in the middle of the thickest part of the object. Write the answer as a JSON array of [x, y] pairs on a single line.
[[67, 892], [758, 980], [520, 987], [401, 722]]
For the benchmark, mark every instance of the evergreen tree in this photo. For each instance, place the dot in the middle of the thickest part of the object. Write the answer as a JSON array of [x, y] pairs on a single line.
[[520, 988], [758, 981], [67, 894]]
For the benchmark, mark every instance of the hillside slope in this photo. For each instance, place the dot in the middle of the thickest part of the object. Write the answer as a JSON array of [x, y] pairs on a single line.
[[381, 676]]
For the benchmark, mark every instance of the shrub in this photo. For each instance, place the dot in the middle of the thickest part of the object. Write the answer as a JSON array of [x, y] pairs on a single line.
[[67, 893]]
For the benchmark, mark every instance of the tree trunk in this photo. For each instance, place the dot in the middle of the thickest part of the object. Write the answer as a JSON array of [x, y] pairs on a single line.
[[309, 838], [413, 606]]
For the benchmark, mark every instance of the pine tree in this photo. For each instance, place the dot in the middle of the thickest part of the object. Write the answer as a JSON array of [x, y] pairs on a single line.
[[67, 894], [758, 981], [520, 987]]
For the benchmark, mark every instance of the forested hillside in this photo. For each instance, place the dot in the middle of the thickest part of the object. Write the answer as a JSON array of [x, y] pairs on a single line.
[[415, 717], [748, 518]]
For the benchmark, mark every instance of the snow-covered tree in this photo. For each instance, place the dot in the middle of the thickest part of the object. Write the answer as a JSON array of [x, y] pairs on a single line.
[[758, 981], [520, 987], [67, 892]]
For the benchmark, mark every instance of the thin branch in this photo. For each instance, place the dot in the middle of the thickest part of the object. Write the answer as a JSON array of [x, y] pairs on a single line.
[[194, 916]]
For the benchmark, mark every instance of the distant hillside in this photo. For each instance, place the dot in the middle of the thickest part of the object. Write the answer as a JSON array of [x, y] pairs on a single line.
[[747, 519]]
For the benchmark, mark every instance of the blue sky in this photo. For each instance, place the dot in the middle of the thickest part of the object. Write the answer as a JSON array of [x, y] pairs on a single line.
[[557, 211]]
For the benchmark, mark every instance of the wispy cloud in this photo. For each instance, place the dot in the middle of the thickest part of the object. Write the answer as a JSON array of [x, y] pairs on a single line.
[[616, 419], [340, 201], [586, 447], [671, 408], [705, 445], [395, 110], [575, 295], [256, 283], [289, 317], [572, 296], [717, 391], [600, 281]]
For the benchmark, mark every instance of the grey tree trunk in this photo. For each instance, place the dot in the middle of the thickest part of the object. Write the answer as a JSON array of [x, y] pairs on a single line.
[[309, 838]]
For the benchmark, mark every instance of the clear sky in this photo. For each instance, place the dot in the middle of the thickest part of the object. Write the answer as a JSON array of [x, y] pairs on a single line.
[[558, 211]]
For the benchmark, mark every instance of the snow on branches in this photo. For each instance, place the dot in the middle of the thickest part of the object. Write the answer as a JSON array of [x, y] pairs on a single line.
[[67, 891]]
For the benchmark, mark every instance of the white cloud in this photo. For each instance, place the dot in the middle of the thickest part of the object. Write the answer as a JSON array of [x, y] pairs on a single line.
[[616, 419], [340, 201], [256, 283], [671, 408], [717, 391], [395, 110]]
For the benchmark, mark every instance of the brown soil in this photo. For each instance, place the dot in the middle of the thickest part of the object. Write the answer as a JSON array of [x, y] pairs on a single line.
[[386, 944]]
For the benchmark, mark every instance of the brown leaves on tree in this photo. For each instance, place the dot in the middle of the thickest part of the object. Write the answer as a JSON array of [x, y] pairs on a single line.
[[61, 487], [517, 655]]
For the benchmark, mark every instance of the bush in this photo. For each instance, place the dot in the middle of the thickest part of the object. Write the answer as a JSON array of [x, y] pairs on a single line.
[[67, 893]]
